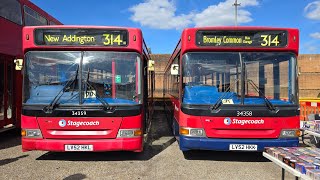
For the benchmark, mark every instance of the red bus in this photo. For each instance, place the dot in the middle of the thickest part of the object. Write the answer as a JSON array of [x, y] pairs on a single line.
[[14, 15], [85, 88], [234, 88]]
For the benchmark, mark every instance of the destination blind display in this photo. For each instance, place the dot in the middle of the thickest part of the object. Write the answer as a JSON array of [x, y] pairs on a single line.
[[242, 38], [81, 37]]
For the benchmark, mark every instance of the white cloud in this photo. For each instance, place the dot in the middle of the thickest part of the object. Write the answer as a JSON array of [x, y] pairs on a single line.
[[312, 10], [223, 14], [315, 35], [159, 14], [312, 49], [309, 48]]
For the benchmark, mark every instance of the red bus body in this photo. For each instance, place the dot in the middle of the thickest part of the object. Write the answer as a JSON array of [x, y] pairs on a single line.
[[199, 103], [11, 49], [101, 132]]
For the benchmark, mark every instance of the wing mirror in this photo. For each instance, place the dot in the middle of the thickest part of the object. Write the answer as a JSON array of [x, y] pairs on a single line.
[[19, 64], [174, 69]]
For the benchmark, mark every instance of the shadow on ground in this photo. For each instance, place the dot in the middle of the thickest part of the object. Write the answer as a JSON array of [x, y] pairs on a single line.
[[224, 156], [77, 176], [10, 160], [10, 138], [159, 138]]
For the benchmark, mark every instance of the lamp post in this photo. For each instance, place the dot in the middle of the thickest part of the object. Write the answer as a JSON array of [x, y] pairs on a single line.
[[236, 4]]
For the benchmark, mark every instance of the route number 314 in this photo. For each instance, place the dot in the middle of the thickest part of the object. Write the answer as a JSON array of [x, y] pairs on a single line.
[[112, 39], [268, 40]]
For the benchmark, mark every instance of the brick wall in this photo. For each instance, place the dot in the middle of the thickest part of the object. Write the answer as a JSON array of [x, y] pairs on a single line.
[[309, 75], [160, 62]]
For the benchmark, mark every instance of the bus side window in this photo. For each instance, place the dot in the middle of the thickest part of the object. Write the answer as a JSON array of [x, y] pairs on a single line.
[[32, 18], [10, 9]]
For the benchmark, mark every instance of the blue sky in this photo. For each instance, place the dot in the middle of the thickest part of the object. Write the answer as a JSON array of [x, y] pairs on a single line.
[[163, 20]]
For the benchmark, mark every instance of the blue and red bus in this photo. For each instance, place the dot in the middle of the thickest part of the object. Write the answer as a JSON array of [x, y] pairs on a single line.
[[85, 88], [234, 88], [14, 15]]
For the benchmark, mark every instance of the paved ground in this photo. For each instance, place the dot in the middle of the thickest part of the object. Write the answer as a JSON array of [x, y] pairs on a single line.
[[161, 159]]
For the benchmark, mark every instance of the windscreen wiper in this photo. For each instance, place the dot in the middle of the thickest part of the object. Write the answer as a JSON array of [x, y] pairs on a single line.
[[106, 105], [219, 101], [53, 103], [268, 103]]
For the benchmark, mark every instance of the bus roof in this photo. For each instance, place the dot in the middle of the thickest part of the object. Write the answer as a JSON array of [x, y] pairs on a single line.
[[133, 39], [239, 28], [188, 40], [290, 38]]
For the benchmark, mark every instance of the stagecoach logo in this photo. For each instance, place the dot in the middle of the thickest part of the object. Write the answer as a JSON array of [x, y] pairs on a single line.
[[62, 123], [227, 121]]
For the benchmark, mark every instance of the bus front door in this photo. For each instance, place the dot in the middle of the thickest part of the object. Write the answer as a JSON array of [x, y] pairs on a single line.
[[6, 92]]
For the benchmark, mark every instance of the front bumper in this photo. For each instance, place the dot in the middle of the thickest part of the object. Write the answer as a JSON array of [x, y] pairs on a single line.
[[189, 143], [58, 145]]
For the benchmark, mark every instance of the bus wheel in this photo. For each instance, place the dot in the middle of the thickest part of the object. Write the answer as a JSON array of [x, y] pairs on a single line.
[[188, 154]]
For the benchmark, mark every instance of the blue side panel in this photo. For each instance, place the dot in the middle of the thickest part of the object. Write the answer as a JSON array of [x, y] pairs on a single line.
[[108, 100], [203, 95], [209, 95], [45, 90], [44, 94], [190, 143]]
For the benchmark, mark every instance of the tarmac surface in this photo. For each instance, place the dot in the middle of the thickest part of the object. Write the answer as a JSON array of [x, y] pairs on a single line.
[[161, 159]]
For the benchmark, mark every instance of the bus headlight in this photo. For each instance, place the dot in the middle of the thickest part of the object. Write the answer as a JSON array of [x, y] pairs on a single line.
[[31, 133], [196, 132], [123, 133], [290, 133], [192, 132]]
